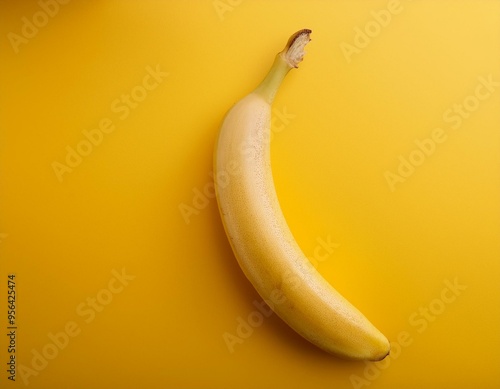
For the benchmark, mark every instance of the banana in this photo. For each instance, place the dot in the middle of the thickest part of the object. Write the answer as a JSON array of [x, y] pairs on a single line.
[[260, 237]]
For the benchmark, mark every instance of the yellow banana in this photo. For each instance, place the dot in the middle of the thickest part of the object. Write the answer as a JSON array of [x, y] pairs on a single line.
[[260, 237]]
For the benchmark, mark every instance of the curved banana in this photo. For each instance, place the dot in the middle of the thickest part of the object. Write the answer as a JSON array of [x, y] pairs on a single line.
[[260, 237]]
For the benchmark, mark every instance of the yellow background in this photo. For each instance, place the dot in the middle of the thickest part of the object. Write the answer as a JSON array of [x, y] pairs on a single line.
[[348, 124]]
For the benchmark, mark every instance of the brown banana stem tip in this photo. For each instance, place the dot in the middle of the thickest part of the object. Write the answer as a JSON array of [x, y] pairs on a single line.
[[294, 49]]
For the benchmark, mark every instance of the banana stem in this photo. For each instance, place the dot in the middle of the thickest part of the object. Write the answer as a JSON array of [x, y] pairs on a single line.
[[287, 59]]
